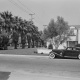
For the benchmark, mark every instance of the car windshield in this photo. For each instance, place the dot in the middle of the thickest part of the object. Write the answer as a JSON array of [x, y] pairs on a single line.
[[71, 48]]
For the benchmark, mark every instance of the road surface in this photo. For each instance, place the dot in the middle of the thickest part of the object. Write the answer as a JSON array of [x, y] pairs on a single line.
[[40, 67]]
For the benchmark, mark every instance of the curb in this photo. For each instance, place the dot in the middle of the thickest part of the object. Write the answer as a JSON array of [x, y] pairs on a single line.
[[13, 55]]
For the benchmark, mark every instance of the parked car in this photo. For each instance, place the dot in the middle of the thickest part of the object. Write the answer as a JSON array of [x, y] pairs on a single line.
[[77, 46], [70, 52]]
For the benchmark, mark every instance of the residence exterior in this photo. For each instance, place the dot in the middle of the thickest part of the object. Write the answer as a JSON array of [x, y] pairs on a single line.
[[74, 38]]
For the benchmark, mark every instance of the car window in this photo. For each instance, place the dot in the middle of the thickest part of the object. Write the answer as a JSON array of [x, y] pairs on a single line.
[[69, 48], [74, 48]]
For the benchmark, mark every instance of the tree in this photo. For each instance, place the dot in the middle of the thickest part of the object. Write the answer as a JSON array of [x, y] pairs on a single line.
[[4, 40], [9, 23], [23, 39], [62, 26], [15, 38], [7, 20], [58, 31]]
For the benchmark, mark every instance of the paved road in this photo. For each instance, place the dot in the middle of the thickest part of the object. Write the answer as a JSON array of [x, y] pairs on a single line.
[[42, 65]]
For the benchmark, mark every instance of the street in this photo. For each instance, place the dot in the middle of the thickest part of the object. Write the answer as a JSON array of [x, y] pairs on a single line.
[[40, 65]]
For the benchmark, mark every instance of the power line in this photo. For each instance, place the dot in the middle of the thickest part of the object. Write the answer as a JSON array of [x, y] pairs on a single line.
[[21, 8], [18, 6], [29, 10], [25, 6]]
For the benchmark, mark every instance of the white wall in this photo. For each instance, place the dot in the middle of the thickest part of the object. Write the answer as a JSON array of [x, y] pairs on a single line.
[[62, 46], [79, 36], [72, 38]]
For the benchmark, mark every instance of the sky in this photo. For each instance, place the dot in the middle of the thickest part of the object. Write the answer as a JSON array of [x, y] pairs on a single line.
[[44, 10]]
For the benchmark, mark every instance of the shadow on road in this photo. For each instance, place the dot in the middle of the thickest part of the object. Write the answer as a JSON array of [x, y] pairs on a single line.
[[66, 58], [4, 75]]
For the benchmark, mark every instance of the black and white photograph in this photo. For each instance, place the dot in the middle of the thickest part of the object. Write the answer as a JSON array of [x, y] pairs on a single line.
[[39, 39]]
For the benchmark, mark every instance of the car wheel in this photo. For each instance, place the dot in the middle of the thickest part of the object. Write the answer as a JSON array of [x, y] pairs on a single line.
[[52, 55], [79, 56]]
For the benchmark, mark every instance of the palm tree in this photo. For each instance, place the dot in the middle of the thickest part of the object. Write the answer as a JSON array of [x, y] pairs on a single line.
[[7, 17]]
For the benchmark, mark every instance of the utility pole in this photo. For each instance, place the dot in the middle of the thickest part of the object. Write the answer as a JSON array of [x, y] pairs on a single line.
[[45, 26], [31, 17]]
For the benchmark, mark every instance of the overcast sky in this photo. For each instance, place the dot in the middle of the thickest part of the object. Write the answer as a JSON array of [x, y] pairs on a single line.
[[44, 10]]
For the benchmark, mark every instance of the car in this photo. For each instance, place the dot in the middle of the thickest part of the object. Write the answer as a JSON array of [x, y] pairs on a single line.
[[77, 46], [69, 52], [43, 51]]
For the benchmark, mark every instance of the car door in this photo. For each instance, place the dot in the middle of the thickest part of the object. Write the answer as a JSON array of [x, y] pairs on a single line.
[[75, 52], [68, 52]]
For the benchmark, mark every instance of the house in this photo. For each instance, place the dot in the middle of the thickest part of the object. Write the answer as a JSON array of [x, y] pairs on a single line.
[[74, 38]]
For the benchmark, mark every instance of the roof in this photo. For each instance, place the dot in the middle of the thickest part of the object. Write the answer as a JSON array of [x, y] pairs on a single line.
[[76, 26]]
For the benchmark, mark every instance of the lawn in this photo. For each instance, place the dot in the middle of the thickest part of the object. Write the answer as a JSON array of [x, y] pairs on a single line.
[[27, 51], [19, 51]]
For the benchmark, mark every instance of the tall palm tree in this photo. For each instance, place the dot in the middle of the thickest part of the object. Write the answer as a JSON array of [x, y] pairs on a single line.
[[7, 17]]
